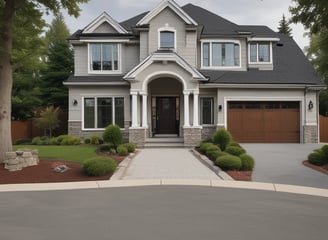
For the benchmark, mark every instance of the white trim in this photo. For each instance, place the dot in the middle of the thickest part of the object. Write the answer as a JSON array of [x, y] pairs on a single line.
[[95, 83], [273, 86], [211, 41], [104, 17], [108, 72], [167, 29], [104, 40], [257, 39], [257, 55], [173, 6], [159, 74]]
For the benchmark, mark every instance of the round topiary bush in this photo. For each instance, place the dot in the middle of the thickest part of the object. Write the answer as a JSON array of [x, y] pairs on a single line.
[[236, 151], [222, 154], [96, 140], [247, 162], [130, 147], [113, 135], [316, 158], [203, 147], [107, 147], [222, 138], [212, 148], [99, 166], [235, 144], [213, 155], [228, 162], [122, 150]]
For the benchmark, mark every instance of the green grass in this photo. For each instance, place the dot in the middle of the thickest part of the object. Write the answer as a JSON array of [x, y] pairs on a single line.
[[70, 153]]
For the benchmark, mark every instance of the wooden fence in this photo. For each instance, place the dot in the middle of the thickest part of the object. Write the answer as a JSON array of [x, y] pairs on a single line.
[[323, 129]]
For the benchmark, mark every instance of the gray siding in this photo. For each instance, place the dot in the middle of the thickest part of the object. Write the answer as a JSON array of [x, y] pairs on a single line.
[[143, 45], [81, 60], [105, 28], [130, 57]]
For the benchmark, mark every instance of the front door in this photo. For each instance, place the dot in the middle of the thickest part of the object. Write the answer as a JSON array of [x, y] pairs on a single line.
[[166, 119]]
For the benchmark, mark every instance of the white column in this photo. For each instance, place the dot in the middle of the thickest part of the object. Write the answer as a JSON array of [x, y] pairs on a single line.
[[196, 122], [144, 110], [186, 109], [134, 109]]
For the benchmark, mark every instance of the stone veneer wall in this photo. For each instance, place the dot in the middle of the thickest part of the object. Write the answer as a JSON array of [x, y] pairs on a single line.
[[208, 132], [311, 134], [192, 136], [137, 136], [75, 129]]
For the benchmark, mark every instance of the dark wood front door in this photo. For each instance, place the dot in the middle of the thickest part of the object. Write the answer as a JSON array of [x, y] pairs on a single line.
[[166, 115]]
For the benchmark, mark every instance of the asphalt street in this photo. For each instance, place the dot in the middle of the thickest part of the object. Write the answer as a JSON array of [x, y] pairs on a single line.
[[165, 212]]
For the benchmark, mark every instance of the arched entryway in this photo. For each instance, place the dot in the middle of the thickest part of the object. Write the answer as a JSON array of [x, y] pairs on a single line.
[[165, 117]]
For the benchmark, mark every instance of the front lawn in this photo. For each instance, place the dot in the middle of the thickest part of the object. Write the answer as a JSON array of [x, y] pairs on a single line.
[[69, 153]]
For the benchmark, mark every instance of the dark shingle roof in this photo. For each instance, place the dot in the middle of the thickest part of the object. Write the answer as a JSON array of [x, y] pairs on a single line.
[[290, 67]]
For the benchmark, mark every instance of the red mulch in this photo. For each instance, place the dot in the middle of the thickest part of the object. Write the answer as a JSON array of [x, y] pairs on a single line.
[[240, 175], [43, 173], [323, 169]]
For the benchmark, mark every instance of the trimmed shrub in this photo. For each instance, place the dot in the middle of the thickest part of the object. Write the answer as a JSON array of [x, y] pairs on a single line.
[[23, 141], [229, 162], [316, 158], [223, 154], [87, 141], [96, 140], [122, 150], [236, 151], [222, 138], [40, 141], [247, 162], [70, 140], [324, 150], [234, 144], [212, 148], [106, 147], [203, 147], [99, 166], [113, 135], [213, 155], [53, 141], [130, 147]]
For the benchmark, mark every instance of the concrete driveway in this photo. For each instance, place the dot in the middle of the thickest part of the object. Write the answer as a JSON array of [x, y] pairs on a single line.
[[282, 163]]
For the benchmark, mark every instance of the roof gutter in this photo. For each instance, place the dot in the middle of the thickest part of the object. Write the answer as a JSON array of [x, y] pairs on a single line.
[[259, 86]]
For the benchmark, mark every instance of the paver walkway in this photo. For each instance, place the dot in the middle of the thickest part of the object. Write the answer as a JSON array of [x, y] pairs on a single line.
[[167, 164]]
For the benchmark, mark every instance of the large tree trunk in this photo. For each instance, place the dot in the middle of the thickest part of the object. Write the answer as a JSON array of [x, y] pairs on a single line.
[[6, 79]]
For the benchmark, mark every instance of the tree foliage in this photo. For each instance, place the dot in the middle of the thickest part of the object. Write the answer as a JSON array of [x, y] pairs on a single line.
[[284, 26], [48, 119], [11, 58]]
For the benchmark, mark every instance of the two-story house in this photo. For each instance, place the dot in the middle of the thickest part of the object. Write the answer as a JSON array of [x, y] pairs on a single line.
[[184, 72]]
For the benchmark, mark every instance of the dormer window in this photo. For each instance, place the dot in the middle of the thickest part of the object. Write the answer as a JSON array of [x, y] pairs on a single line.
[[260, 53], [167, 38]]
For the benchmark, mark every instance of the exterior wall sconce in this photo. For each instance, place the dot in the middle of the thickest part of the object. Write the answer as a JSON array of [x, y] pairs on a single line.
[[75, 102], [220, 108], [310, 106]]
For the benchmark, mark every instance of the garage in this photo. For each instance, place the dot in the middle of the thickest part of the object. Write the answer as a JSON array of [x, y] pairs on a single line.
[[264, 122]]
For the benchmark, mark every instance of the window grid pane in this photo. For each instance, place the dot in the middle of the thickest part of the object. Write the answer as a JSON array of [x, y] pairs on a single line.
[[119, 112], [222, 54], [264, 52], [167, 39], [206, 54], [253, 52], [104, 57], [207, 110], [89, 113], [104, 112]]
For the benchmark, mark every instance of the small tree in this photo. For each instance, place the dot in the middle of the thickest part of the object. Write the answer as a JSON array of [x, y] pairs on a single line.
[[222, 138], [48, 119], [284, 26], [113, 135]]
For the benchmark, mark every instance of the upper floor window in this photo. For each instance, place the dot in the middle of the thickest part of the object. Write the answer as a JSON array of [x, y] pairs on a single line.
[[104, 57], [167, 39], [220, 54], [260, 52]]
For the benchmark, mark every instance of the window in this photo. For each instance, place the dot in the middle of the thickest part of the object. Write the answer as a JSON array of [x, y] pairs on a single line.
[[206, 110], [221, 54], [167, 39], [102, 111], [260, 52], [104, 57]]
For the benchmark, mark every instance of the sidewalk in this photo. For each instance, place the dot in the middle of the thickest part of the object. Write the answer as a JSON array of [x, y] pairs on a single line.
[[167, 164]]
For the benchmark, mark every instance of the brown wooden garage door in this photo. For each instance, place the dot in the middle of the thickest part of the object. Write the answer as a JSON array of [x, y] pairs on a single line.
[[264, 122]]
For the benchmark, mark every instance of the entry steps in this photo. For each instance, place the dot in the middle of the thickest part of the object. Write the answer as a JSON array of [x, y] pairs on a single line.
[[164, 142]]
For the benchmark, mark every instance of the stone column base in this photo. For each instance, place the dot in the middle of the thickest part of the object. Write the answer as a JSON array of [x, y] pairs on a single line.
[[311, 134], [192, 136], [137, 136]]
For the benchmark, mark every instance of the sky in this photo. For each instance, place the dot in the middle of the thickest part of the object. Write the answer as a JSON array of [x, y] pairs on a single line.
[[242, 12]]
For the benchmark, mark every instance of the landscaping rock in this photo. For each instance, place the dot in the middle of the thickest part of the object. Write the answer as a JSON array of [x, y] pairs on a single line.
[[16, 161]]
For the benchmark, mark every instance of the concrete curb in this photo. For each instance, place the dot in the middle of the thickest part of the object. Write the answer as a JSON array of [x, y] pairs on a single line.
[[122, 167], [208, 163], [165, 182]]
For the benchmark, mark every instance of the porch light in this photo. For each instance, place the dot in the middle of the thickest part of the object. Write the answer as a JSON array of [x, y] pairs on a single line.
[[75, 102], [220, 108], [310, 106]]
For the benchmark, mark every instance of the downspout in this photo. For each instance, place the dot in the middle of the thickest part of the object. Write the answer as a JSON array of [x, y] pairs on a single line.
[[304, 115]]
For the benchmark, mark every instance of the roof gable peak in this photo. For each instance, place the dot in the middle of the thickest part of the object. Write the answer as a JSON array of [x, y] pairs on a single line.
[[104, 18], [173, 6]]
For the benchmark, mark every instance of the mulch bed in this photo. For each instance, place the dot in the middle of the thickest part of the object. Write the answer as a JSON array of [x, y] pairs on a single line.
[[322, 169], [44, 173], [240, 175]]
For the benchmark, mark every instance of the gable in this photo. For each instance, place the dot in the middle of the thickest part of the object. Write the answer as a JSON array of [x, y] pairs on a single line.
[[104, 24], [163, 5]]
